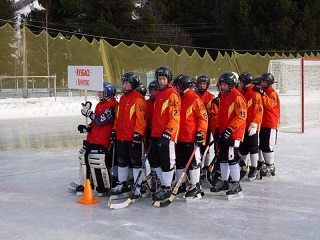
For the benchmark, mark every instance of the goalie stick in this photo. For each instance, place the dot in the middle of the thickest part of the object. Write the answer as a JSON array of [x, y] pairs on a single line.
[[176, 187], [126, 203]]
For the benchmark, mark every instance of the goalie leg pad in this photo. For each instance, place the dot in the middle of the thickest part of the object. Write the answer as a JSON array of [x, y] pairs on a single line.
[[99, 171]]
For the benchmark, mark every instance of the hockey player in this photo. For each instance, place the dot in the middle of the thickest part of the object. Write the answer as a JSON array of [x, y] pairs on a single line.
[[129, 130], [270, 122], [250, 144], [231, 126], [97, 154], [202, 85], [142, 89], [165, 126], [193, 130], [153, 90]]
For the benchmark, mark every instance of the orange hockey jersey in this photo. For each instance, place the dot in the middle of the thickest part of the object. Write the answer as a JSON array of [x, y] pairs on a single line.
[[130, 116], [166, 113], [232, 114], [193, 117], [254, 105], [271, 109]]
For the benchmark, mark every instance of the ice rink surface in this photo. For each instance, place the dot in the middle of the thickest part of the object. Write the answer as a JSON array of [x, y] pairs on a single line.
[[35, 202]]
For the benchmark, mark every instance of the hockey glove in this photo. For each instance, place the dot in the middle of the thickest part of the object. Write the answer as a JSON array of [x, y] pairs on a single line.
[[86, 109], [84, 129], [252, 129], [259, 90], [113, 136], [199, 138], [137, 140], [164, 140], [225, 137]]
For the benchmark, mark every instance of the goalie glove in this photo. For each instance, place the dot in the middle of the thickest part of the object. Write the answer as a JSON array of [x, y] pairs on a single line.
[[252, 129], [84, 129], [86, 109]]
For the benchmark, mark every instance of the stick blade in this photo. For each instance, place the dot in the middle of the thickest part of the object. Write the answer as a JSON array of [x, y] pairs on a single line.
[[165, 203], [119, 205]]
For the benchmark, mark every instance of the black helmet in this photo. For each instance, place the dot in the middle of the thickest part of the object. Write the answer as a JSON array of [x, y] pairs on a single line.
[[203, 78], [163, 71], [228, 78], [256, 80], [132, 78], [177, 79], [267, 77], [184, 81], [142, 89], [153, 85], [246, 78]]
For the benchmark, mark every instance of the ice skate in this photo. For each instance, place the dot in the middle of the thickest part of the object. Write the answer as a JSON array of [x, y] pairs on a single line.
[[122, 190], [145, 191], [194, 193], [77, 188], [136, 194], [182, 188], [268, 170], [102, 191], [253, 172], [162, 194], [220, 186], [235, 191]]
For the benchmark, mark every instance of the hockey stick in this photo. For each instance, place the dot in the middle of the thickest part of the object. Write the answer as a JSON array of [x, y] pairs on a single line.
[[205, 153], [178, 184], [112, 166], [129, 199]]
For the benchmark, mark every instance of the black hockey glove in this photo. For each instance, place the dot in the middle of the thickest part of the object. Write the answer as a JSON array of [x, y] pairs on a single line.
[[225, 137], [199, 138], [164, 140], [113, 136], [137, 140], [84, 129], [259, 90]]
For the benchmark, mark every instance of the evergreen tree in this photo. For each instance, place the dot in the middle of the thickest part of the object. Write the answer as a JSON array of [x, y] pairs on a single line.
[[7, 11]]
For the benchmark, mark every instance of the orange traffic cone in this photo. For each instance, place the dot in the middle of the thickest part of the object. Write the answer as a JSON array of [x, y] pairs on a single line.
[[87, 197]]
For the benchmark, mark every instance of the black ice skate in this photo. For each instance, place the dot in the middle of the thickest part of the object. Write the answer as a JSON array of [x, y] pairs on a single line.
[[162, 194], [220, 186], [121, 190], [145, 190], [235, 191], [77, 188], [268, 170], [253, 172], [182, 188], [102, 191], [194, 193]]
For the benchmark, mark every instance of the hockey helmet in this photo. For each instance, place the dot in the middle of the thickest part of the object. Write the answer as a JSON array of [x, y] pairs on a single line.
[[246, 78]]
